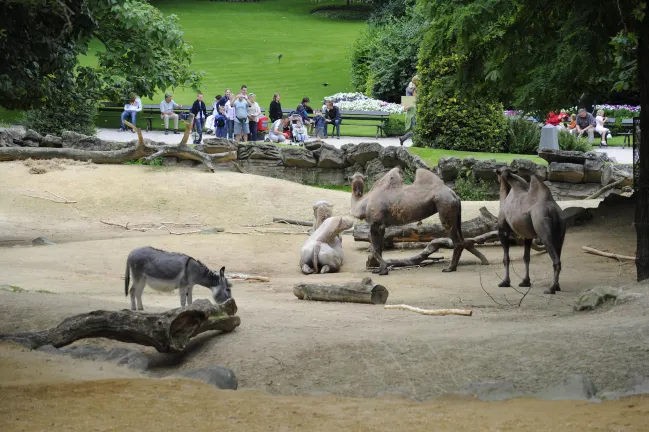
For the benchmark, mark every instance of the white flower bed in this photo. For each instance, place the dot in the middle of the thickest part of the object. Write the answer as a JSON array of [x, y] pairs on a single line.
[[360, 102]]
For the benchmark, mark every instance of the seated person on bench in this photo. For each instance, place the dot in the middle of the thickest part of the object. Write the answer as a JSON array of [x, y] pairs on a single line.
[[130, 109], [167, 112], [333, 116]]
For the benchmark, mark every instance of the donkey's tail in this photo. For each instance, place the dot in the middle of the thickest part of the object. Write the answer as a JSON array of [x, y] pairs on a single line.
[[127, 279], [316, 252]]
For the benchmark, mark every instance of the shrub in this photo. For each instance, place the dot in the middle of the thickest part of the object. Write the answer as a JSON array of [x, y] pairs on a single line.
[[469, 190], [568, 141], [394, 126], [342, 12], [445, 120], [523, 136], [65, 112]]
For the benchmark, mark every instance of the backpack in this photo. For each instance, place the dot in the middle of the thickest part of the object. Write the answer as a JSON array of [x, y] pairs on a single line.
[[220, 122]]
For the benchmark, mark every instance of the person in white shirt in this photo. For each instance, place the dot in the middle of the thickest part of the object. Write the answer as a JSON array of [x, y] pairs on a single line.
[[229, 115], [254, 112], [130, 109], [276, 133], [167, 112], [601, 129]]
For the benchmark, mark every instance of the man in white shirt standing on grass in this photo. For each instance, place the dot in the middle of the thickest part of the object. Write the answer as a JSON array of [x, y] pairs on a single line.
[[167, 112]]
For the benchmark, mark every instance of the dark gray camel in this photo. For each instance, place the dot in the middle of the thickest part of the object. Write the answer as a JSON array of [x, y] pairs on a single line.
[[391, 202], [530, 211]]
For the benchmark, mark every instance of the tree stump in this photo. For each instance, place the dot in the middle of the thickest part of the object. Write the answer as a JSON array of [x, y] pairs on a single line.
[[167, 332], [364, 291]]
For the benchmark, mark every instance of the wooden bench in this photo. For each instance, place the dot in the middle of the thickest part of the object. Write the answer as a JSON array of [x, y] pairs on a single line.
[[378, 117], [627, 132]]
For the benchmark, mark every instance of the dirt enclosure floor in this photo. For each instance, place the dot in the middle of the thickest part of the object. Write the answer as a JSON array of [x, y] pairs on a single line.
[[301, 365]]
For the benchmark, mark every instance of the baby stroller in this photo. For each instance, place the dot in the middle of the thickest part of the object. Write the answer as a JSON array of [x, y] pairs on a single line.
[[297, 130]]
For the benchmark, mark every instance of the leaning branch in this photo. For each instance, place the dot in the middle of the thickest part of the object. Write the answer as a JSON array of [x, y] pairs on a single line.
[[292, 221], [605, 188]]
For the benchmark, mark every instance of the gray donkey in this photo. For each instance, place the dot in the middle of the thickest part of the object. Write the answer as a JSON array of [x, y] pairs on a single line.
[[166, 271]]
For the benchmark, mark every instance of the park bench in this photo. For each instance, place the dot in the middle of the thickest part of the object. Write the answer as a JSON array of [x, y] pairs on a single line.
[[627, 132], [360, 118]]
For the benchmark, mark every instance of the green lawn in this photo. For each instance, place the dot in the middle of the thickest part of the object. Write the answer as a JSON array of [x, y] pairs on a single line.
[[432, 156]]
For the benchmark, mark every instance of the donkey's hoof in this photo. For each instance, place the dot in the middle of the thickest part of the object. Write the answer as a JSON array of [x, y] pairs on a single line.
[[448, 270], [383, 271], [504, 284], [526, 283]]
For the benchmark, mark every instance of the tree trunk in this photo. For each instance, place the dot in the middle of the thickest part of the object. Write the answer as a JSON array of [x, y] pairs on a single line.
[[484, 223], [365, 291], [642, 188], [167, 332]]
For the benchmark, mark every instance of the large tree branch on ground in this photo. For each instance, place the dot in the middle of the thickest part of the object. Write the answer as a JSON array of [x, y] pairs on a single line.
[[434, 246], [484, 223], [364, 291], [142, 149], [167, 332]]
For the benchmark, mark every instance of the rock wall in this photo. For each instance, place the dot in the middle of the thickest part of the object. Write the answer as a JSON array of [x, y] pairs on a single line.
[[569, 174]]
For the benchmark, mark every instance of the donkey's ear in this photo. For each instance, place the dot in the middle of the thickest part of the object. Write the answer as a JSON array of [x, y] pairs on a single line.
[[222, 272]]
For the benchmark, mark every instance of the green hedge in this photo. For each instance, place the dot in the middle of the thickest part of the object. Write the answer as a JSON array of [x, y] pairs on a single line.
[[444, 120]]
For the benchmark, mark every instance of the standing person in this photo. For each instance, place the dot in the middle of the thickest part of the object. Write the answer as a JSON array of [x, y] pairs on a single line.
[[200, 114], [276, 133], [333, 115], [130, 109], [275, 109], [244, 90], [241, 127], [167, 112], [220, 124], [253, 116], [225, 98], [410, 111], [229, 115]]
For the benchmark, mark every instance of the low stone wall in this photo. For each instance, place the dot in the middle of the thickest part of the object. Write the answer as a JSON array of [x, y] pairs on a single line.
[[569, 174]]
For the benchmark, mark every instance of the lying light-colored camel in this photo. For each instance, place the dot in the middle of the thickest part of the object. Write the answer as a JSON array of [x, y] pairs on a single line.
[[323, 250], [529, 210], [391, 202]]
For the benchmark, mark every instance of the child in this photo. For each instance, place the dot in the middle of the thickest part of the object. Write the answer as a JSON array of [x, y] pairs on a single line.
[[299, 132], [572, 127], [220, 123], [319, 123], [229, 115]]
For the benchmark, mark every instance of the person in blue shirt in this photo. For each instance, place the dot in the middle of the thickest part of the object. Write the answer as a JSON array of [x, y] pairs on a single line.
[[220, 124]]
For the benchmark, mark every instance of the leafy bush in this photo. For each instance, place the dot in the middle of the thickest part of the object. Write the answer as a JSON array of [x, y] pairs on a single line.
[[445, 120], [568, 141], [394, 126], [523, 136], [469, 190], [64, 112], [384, 57], [156, 162]]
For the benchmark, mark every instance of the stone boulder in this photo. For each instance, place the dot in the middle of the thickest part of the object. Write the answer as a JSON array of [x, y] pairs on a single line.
[[593, 170], [52, 141], [566, 172], [362, 153], [10, 137], [218, 376], [592, 298], [218, 145], [622, 172], [314, 145], [393, 156], [597, 156], [298, 157], [468, 162], [562, 156], [330, 157], [448, 168], [258, 151], [486, 169], [573, 387], [374, 170], [525, 168], [32, 138]]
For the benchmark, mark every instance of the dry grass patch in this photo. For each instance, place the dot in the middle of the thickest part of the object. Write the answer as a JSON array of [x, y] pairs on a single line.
[[41, 166]]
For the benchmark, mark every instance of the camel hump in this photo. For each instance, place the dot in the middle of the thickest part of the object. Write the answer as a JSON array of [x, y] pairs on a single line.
[[538, 188], [390, 179], [424, 176]]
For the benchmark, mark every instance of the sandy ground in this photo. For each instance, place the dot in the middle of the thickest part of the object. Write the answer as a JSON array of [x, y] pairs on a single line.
[[290, 347]]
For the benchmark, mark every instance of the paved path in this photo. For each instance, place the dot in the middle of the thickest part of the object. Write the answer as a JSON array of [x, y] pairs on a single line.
[[621, 155]]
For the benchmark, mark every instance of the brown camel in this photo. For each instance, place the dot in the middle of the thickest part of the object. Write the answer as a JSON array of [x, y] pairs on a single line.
[[529, 210], [390, 203]]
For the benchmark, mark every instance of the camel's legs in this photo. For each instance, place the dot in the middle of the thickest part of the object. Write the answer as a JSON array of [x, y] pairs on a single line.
[[458, 247], [526, 259], [377, 235], [503, 236], [545, 234]]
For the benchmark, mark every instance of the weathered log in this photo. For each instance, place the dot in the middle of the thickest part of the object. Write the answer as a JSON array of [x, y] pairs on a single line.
[[607, 254], [484, 223], [141, 149], [433, 312], [364, 291], [292, 221], [167, 332]]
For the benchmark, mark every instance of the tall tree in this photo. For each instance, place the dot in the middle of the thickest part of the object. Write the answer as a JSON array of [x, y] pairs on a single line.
[[541, 56]]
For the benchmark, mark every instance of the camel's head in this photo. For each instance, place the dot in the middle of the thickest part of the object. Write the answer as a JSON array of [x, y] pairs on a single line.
[[321, 211], [503, 173], [358, 184], [346, 222]]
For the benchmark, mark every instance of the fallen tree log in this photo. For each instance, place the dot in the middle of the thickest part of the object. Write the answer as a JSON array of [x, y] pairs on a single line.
[[484, 223], [434, 246], [141, 149], [167, 332], [434, 312], [292, 221], [364, 291]]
